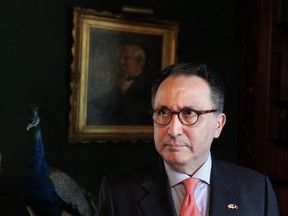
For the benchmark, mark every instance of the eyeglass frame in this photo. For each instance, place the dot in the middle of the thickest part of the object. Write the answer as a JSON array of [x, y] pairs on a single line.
[[198, 113]]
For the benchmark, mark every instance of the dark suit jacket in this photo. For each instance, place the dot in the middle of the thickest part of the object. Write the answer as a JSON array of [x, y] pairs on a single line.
[[145, 190], [134, 105]]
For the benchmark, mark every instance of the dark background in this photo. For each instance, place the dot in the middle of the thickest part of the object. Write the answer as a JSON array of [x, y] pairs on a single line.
[[35, 58]]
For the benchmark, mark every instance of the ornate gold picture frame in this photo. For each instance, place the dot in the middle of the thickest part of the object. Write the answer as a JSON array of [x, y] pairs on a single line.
[[98, 40]]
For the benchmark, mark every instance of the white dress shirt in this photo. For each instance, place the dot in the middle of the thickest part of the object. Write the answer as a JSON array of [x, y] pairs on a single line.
[[202, 189]]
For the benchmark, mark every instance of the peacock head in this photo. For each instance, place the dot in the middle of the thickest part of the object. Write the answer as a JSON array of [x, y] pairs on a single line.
[[34, 120]]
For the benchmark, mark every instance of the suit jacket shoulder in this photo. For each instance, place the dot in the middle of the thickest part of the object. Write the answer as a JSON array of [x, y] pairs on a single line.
[[237, 190], [142, 190]]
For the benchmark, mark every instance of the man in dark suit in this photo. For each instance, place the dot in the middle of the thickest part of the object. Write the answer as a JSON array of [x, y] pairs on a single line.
[[188, 103], [134, 83]]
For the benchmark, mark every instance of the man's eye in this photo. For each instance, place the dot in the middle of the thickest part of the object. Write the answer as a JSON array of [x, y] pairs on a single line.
[[162, 112], [188, 113]]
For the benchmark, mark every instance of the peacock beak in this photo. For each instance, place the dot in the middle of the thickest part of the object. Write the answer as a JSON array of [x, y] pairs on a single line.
[[29, 126]]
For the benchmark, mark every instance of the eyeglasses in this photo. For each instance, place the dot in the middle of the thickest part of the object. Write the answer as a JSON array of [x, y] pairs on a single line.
[[186, 116]]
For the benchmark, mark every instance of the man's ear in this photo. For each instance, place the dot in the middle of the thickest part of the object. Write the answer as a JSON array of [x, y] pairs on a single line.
[[221, 120]]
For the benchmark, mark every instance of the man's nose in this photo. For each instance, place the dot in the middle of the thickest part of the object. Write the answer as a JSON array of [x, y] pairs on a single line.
[[175, 127]]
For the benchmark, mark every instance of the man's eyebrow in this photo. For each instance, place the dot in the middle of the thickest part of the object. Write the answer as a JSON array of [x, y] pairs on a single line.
[[182, 108], [161, 107], [187, 108]]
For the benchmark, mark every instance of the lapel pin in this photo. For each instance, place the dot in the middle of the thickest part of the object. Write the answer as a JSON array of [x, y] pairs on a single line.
[[232, 206]]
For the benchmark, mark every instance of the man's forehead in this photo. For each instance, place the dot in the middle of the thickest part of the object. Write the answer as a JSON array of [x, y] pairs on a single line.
[[181, 92]]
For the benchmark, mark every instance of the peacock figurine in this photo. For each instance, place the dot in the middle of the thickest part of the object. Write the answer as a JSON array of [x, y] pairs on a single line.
[[48, 191]]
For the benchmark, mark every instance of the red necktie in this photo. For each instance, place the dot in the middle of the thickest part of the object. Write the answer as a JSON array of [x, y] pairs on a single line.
[[189, 207]]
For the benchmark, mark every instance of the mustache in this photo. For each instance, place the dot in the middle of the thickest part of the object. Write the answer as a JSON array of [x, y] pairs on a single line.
[[175, 141]]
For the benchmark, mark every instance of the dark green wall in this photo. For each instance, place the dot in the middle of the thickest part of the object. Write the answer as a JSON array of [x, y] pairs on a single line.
[[35, 59]]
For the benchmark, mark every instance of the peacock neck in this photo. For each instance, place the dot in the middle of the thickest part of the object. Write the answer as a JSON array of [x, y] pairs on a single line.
[[38, 162]]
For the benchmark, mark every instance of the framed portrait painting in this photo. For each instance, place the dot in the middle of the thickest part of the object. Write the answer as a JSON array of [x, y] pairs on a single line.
[[116, 58]]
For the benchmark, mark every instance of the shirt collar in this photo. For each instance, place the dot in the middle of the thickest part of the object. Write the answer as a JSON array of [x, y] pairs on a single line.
[[203, 173]]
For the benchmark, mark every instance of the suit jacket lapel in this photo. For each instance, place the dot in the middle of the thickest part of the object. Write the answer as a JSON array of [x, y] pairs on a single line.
[[159, 198], [224, 197]]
